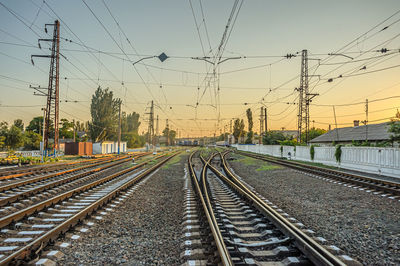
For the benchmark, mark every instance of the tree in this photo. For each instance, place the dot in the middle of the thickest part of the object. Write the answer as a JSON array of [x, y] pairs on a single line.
[[14, 137], [395, 128], [223, 137], [313, 133], [67, 129], [249, 115], [170, 134], [35, 125], [273, 138], [238, 129], [104, 111], [3, 134], [19, 124], [32, 140]]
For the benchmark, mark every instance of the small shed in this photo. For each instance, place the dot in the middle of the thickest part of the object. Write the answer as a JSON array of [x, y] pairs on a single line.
[[107, 147], [78, 148]]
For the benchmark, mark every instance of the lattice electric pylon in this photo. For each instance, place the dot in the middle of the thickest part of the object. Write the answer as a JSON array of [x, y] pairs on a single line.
[[52, 105]]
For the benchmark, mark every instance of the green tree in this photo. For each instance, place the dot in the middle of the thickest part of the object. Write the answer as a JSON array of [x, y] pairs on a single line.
[[134, 140], [223, 137], [104, 111], [273, 138], [313, 133], [250, 134], [238, 129], [14, 137], [19, 124], [170, 134], [3, 134], [67, 129], [395, 128], [2, 142], [32, 140], [35, 125]]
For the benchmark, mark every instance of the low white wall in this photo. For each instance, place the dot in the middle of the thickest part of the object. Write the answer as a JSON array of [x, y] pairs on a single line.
[[376, 160]]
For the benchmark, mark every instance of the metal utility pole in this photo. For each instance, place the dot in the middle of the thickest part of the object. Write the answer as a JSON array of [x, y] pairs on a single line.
[[150, 131], [157, 133], [52, 106], [261, 125], [119, 127], [366, 120], [73, 127], [337, 129], [42, 148], [167, 128], [265, 117], [305, 98]]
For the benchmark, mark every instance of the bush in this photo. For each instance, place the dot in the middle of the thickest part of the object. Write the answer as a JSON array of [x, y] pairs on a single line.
[[338, 153], [312, 152]]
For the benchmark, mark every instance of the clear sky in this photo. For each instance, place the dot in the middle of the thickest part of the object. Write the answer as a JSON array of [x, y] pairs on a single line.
[[263, 32]]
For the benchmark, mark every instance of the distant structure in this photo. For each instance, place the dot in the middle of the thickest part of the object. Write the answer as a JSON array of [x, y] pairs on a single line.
[[107, 147], [376, 133]]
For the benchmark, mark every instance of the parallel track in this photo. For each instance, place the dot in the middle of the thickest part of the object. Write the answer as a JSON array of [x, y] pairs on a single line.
[[246, 230], [364, 181], [38, 169], [43, 223]]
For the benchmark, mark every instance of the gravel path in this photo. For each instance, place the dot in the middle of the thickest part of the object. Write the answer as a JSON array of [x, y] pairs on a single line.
[[365, 226], [143, 230]]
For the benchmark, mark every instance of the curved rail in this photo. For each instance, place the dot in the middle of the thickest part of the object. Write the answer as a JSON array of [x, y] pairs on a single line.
[[314, 251], [205, 201]]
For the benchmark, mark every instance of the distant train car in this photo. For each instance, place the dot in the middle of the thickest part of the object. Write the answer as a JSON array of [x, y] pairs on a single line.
[[195, 143], [222, 143]]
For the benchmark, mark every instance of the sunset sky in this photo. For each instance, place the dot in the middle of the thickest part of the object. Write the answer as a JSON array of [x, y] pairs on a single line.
[[263, 33]]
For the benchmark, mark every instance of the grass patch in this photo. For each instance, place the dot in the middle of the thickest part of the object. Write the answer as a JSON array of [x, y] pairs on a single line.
[[317, 164], [262, 166], [172, 161]]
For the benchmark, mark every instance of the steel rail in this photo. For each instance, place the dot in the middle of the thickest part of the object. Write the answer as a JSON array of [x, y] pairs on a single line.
[[24, 194], [377, 184], [18, 172], [314, 251], [53, 234], [18, 215], [41, 178], [219, 242]]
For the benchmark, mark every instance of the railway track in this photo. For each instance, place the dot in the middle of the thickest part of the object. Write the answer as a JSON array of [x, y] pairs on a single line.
[[26, 232], [245, 229], [38, 169], [378, 185], [29, 171]]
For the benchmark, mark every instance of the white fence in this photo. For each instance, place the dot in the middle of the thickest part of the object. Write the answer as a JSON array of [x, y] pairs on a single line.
[[22, 153], [384, 161]]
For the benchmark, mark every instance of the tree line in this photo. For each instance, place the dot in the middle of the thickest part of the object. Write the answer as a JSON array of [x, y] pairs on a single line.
[[103, 125]]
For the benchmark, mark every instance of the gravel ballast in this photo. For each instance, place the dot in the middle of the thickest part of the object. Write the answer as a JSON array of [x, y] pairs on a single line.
[[365, 226], [143, 230]]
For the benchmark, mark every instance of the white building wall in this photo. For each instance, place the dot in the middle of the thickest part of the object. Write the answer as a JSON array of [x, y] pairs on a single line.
[[376, 160]]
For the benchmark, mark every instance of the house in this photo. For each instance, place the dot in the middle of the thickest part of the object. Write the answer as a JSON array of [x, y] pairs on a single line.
[[373, 133], [107, 147]]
